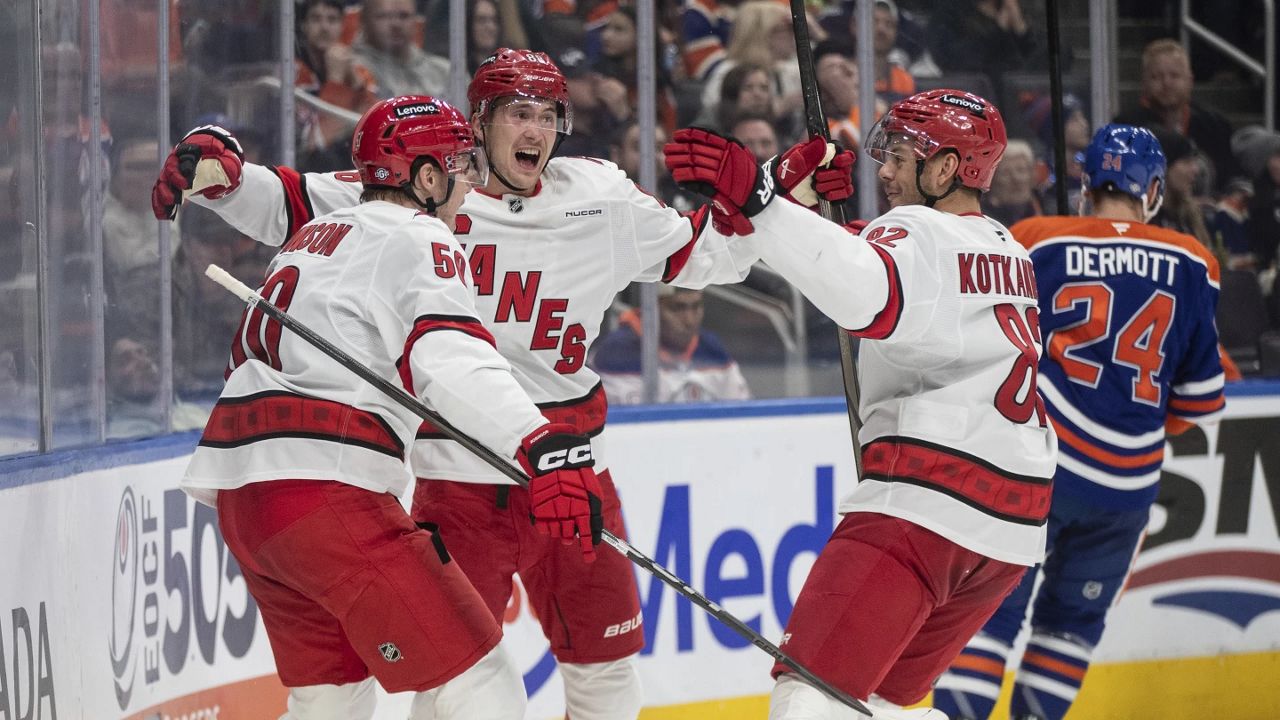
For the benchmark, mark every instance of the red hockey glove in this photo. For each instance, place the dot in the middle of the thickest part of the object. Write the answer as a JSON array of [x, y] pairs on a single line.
[[814, 169], [564, 494], [724, 170], [182, 169]]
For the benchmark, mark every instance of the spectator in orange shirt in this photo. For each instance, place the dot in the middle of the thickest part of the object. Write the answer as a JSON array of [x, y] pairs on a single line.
[[837, 76], [893, 82], [329, 70]]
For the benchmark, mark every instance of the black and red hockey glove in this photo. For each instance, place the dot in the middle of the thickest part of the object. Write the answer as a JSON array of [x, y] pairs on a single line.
[[564, 493], [814, 169], [724, 170], [181, 168]]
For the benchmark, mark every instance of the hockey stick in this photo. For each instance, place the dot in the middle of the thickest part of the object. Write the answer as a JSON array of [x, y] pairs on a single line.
[[416, 406], [817, 124]]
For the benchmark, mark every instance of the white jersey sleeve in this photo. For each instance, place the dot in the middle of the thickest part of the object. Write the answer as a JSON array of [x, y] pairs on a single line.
[[272, 203], [662, 244]]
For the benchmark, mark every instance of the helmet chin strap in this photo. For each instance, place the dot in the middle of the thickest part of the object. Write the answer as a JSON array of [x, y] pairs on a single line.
[[428, 203], [931, 200]]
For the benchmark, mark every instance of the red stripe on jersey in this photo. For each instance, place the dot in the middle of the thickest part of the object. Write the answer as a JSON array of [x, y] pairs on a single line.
[[431, 323], [1014, 498], [885, 321], [297, 205], [277, 414], [586, 414], [1106, 457], [676, 262], [1196, 407]]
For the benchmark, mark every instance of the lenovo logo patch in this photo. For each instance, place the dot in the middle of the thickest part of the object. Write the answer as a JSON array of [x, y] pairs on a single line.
[[405, 111], [963, 102]]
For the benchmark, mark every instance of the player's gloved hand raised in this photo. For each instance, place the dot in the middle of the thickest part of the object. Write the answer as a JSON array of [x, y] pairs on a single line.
[[564, 494], [814, 169], [183, 169], [724, 170]]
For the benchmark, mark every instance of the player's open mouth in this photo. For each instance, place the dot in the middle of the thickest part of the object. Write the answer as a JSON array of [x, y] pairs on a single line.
[[528, 159]]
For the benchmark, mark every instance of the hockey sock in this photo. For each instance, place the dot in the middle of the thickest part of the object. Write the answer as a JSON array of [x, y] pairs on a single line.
[[969, 688]]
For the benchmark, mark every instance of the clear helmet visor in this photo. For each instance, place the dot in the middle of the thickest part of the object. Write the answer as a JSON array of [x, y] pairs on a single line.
[[522, 112], [889, 139], [469, 166]]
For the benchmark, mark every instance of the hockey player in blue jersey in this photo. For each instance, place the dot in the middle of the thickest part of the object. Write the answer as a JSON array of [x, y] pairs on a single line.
[[1131, 351]]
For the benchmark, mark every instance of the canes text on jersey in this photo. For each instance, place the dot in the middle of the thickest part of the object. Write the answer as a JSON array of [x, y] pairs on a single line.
[[519, 301], [1103, 262], [319, 239], [997, 274]]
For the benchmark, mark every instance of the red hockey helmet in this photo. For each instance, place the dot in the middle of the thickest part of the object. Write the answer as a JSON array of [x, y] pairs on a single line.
[[520, 73], [394, 133], [945, 120]]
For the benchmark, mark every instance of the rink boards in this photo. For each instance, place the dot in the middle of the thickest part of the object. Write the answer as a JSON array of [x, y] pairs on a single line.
[[119, 600]]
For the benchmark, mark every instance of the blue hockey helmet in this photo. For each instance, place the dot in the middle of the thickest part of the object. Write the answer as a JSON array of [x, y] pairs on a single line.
[[1129, 159]]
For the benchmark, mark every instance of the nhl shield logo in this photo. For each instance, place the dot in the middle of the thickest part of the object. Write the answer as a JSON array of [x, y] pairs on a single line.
[[515, 205], [390, 652], [1092, 590]]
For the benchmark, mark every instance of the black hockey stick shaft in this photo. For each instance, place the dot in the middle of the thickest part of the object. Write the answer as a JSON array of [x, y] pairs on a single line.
[[816, 121], [416, 406]]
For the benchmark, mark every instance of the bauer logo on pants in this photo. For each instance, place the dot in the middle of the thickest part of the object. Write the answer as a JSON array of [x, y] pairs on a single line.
[[390, 652]]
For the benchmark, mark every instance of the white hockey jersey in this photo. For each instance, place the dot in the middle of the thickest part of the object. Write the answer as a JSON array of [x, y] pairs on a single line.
[[954, 435], [390, 286], [545, 270]]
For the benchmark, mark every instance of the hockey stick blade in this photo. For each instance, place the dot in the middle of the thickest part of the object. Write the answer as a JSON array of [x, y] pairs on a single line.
[[416, 406]]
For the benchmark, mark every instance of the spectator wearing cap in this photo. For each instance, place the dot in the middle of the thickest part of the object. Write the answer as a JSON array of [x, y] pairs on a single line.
[[694, 365], [893, 81], [600, 106], [1013, 194], [1076, 136], [1166, 105], [1181, 211], [387, 48], [328, 69], [980, 36], [1259, 152]]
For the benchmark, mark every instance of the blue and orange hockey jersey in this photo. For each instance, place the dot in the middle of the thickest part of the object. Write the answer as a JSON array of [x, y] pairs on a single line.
[[1127, 316]]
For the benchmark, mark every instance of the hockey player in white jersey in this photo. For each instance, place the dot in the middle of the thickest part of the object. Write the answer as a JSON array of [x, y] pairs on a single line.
[[549, 242], [958, 459], [303, 460]]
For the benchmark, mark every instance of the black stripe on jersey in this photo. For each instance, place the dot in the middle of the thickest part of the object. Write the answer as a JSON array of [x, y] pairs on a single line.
[[423, 435], [251, 439], [598, 387], [957, 496], [946, 450]]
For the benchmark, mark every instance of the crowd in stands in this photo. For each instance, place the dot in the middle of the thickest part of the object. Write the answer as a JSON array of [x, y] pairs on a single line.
[[726, 64]]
